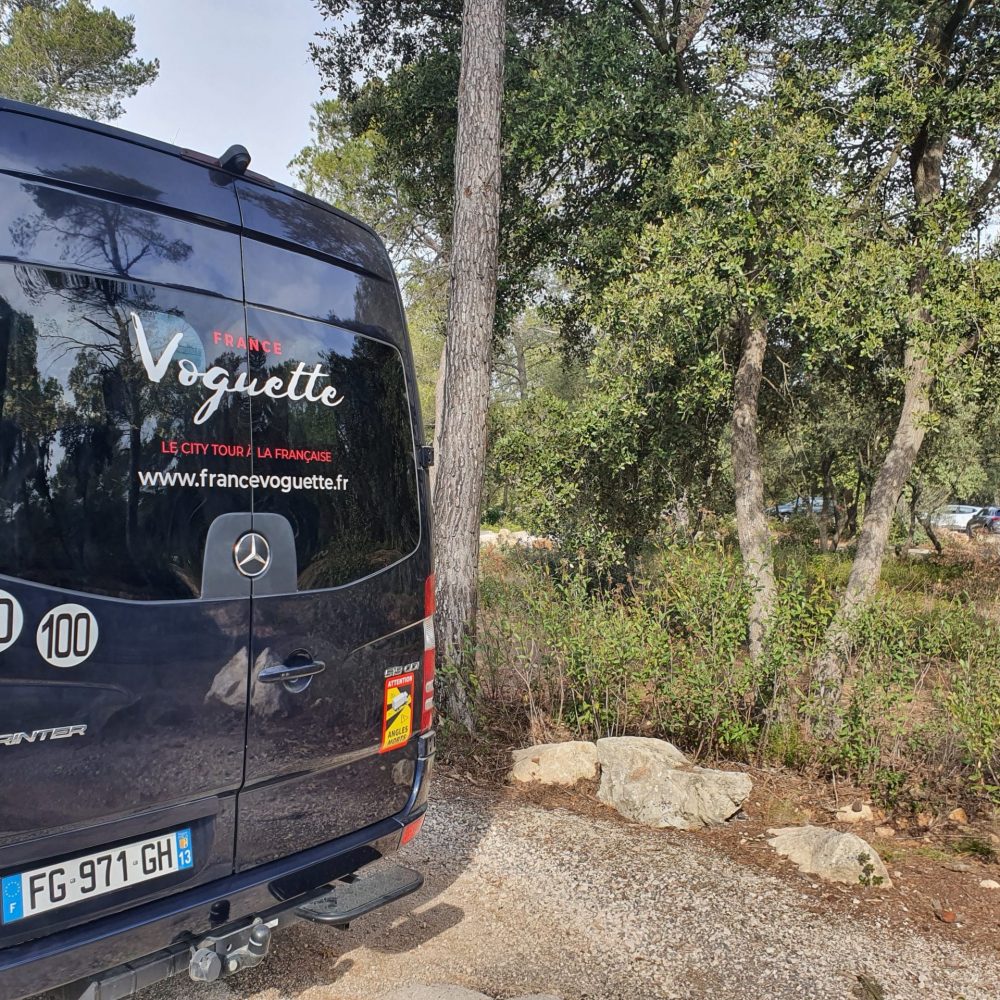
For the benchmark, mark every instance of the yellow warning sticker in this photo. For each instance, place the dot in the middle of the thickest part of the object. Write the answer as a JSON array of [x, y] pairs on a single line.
[[397, 716]]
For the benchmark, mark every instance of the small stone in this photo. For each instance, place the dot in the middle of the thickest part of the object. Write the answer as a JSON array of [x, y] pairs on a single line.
[[857, 812], [959, 816], [945, 913], [988, 883], [925, 820], [885, 832]]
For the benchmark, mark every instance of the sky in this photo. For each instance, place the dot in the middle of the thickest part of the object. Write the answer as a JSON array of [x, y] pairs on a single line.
[[230, 71]]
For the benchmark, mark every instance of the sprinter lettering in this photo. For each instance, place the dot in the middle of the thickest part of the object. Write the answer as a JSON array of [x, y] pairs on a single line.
[[304, 384]]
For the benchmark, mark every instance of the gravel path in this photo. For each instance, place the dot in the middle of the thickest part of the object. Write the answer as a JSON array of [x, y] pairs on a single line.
[[522, 899]]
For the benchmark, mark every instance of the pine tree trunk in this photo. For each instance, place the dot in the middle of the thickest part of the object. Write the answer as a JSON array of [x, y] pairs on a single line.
[[471, 307], [751, 521], [438, 415]]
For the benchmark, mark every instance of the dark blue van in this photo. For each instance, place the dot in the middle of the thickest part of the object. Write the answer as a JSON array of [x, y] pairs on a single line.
[[216, 639]]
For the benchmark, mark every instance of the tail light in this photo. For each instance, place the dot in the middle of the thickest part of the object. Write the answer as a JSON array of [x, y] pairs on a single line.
[[430, 651]]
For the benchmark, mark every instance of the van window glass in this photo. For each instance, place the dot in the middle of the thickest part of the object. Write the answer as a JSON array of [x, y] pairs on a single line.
[[111, 466], [297, 221], [333, 446], [60, 228]]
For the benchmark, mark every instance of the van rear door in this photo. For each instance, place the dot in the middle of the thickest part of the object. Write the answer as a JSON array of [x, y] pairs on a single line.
[[337, 618], [123, 624]]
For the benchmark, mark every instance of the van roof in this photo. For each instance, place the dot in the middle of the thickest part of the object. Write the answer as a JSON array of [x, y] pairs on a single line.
[[192, 157]]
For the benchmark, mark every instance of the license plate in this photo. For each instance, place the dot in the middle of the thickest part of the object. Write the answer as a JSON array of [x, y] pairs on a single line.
[[54, 886]]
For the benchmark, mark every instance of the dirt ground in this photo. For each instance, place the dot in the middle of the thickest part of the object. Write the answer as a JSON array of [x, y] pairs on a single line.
[[551, 893], [936, 864]]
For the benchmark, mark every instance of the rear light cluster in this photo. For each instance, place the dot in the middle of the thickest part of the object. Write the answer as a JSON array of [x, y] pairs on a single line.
[[427, 711]]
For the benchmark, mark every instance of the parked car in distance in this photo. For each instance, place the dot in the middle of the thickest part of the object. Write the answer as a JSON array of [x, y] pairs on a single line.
[[800, 505], [988, 519], [953, 516]]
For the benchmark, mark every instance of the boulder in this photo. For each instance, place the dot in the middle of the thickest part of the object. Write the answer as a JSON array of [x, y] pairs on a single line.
[[830, 854], [651, 782], [555, 763]]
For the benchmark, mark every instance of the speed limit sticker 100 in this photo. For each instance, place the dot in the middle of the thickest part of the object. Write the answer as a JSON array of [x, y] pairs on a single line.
[[67, 635], [11, 620]]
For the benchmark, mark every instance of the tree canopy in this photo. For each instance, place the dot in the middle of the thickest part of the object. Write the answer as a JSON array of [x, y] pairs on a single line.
[[765, 233], [67, 55]]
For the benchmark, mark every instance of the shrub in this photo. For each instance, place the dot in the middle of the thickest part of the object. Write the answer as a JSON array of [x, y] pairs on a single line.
[[564, 652]]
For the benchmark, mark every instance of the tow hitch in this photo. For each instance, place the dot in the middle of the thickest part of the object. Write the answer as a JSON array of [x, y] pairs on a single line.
[[216, 957]]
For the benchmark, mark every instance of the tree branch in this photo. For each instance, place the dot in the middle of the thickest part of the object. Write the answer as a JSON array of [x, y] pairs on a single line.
[[884, 172], [946, 42], [690, 26], [654, 31], [985, 190]]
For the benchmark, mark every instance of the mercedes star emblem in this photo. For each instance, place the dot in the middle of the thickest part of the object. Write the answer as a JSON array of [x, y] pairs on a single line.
[[252, 554]]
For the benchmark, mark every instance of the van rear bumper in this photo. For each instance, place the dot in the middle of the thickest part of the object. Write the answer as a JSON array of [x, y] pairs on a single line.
[[90, 949]]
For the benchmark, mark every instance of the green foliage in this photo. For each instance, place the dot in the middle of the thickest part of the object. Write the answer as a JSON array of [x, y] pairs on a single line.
[[973, 701], [662, 654], [64, 54], [656, 202], [590, 119]]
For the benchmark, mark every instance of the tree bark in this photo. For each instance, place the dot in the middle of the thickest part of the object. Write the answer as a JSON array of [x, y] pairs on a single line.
[[867, 565], [471, 308], [830, 505], [438, 415], [751, 521], [931, 534]]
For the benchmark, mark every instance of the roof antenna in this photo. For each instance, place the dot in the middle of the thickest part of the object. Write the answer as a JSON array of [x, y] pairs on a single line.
[[236, 159]]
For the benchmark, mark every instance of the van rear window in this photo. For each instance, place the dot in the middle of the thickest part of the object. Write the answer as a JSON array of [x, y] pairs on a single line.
[[131, 416]]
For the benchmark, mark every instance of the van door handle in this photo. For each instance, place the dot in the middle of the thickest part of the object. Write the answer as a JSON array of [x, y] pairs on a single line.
[[281, 673]]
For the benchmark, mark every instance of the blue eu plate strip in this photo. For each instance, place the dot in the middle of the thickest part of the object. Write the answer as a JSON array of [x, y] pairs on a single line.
[[13, 904]]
